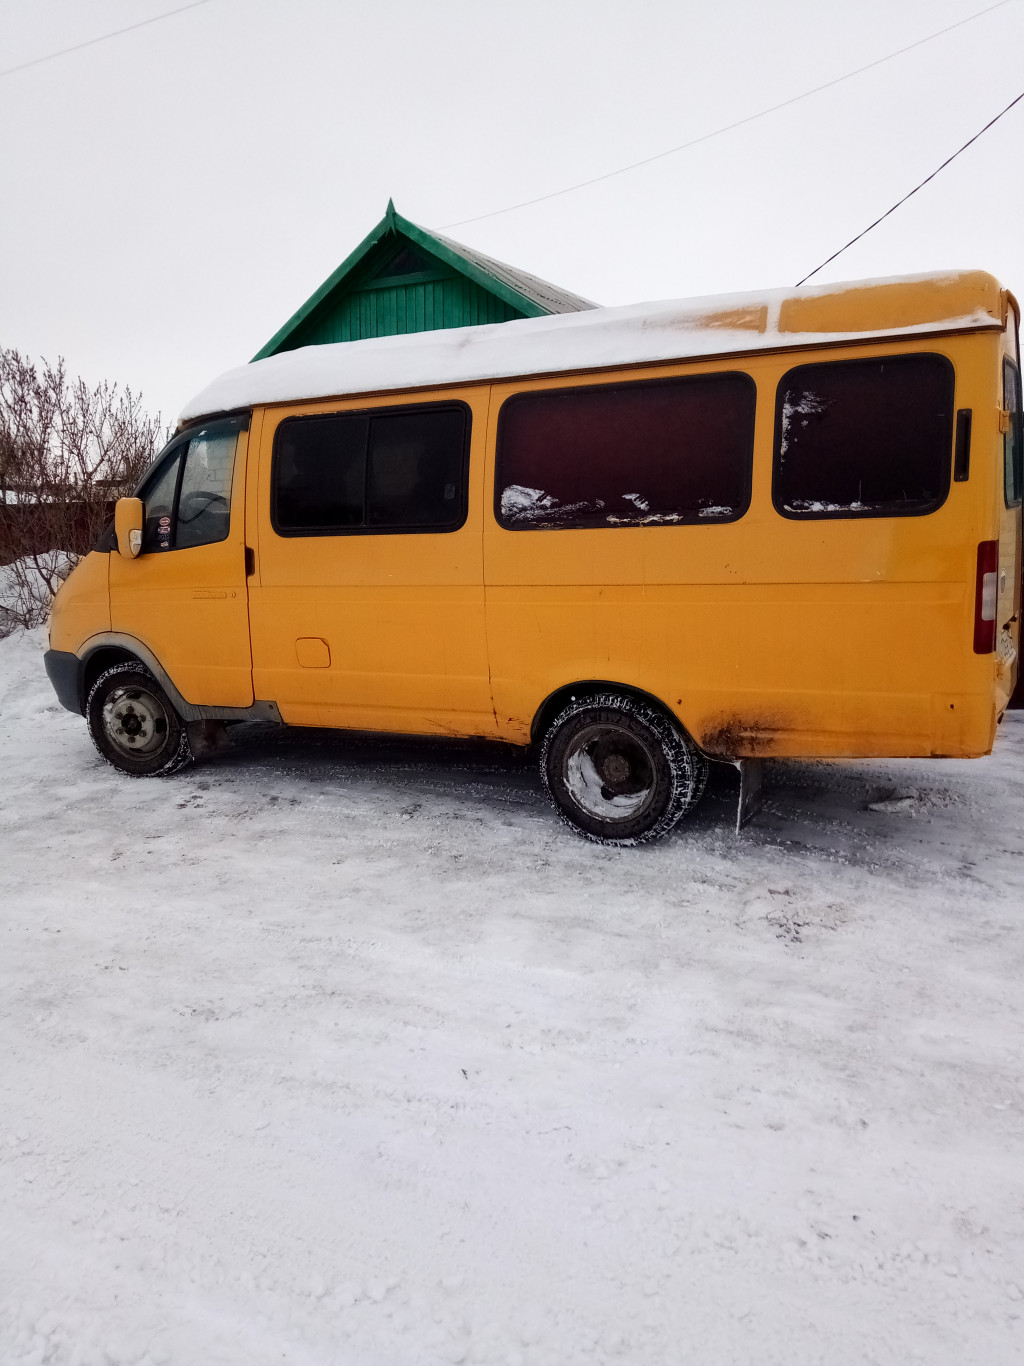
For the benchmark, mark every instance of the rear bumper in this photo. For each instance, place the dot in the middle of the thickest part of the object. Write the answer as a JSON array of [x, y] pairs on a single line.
[[64, 670]]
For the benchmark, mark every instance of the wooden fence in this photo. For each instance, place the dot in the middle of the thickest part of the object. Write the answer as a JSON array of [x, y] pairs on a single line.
[[26, 528]]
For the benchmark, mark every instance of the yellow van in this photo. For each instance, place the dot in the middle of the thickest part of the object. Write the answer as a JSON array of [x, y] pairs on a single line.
[[637, 538]]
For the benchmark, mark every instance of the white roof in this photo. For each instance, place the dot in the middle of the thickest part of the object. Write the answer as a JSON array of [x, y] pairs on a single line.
[[603, 337]]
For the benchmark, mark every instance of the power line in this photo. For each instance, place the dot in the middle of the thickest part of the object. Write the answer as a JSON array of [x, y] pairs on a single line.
[[915, 189], [90, 42], [728, 128]]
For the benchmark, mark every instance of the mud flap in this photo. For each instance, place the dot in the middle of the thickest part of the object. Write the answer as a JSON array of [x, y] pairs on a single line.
[[206, 737], [751, 775]]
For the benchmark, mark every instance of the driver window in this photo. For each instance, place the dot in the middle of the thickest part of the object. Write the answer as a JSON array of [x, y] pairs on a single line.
[[204, 500]]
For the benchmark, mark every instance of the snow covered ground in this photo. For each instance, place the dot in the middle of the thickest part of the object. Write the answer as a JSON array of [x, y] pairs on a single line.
[[344, 1052]]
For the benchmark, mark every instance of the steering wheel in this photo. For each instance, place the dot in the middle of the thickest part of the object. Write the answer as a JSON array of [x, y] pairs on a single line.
[[194, 504]]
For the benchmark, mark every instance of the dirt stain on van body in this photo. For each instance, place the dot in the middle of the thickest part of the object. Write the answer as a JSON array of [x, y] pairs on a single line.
[[741, 737]]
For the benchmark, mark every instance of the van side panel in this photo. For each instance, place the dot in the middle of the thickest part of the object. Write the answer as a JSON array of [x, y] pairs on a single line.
[[766, 635], [381, 631]]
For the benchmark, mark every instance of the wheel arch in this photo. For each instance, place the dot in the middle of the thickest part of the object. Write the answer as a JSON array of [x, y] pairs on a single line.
[[592, 687], [115, 648], [97, 661]]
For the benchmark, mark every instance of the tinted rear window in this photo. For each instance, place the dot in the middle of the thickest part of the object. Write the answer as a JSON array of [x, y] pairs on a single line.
[[660, 451], [1013, 438], [870, 438]]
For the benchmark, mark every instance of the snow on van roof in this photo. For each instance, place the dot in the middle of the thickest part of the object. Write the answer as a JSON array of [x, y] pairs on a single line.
[[599, 338]]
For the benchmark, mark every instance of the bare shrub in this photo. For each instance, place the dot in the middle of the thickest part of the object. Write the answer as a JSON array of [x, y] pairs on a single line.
[[68, 451]]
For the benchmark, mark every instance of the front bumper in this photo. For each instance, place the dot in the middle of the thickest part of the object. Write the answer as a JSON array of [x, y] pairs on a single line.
[[64, 670]]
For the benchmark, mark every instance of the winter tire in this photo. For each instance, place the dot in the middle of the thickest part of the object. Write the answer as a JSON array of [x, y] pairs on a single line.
[[619, 771], [133, 724]]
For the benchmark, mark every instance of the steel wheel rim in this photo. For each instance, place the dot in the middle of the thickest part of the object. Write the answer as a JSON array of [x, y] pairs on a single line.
[[609, 773], [135, 721]]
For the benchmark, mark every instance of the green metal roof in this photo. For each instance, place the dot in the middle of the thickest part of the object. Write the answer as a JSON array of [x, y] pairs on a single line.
[[404, 278]]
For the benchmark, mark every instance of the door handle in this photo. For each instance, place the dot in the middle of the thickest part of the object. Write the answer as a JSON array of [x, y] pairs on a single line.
[[250, 562]]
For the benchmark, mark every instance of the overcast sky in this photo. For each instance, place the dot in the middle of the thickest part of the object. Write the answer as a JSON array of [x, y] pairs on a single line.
[[172, 195]]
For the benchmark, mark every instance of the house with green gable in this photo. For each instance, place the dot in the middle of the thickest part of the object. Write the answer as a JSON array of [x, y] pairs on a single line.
[[404, 278]]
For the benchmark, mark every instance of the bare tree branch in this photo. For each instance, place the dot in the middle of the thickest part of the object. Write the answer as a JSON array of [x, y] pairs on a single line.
[[68, 451]]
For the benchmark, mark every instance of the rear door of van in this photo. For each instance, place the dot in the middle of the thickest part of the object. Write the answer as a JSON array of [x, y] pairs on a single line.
[[1010, 588]]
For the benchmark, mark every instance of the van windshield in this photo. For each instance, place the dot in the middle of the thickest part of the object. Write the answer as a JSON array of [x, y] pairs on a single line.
[[239, 423]]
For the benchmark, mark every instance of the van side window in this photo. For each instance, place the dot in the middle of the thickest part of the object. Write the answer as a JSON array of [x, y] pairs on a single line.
[[187, 496], [655, 452], [393, 470], [865, 438], [1013, 440], [414, 470]]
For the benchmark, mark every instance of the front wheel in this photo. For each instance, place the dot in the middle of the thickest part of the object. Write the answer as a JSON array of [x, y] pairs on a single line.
[[619, 771], [133, 724]]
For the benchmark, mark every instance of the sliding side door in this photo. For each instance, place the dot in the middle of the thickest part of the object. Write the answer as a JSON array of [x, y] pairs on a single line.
[[367, 605]]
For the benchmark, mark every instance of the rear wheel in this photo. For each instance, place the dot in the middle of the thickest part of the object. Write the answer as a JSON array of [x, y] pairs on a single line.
[[133, 724], [619, 771]]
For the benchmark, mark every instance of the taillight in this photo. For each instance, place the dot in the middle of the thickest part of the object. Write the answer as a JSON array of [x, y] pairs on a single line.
[[986, 594]]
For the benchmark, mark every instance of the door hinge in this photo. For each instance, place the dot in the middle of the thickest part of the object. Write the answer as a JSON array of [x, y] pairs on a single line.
[[250, 562], [1004, 419]]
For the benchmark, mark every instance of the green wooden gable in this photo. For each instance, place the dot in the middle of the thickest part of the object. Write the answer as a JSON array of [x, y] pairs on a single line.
[[403, 278]]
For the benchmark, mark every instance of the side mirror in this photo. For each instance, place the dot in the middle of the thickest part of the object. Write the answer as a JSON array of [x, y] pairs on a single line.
[[128, 527]]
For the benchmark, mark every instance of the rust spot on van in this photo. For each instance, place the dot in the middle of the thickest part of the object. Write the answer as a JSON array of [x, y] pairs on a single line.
[[740, 737]]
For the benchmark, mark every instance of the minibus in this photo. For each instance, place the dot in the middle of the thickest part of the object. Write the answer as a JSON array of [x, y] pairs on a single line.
[[637, 539]]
